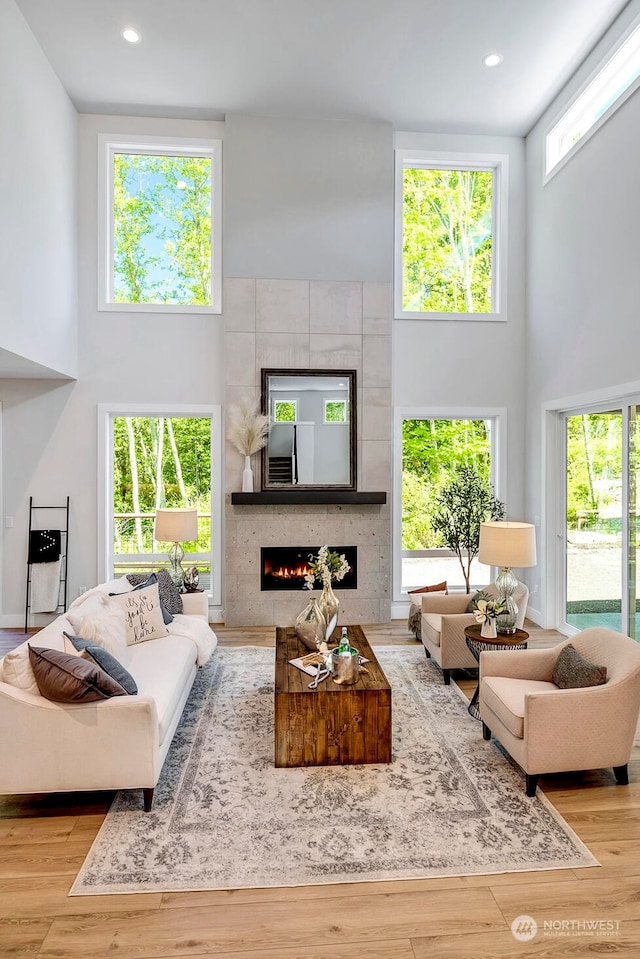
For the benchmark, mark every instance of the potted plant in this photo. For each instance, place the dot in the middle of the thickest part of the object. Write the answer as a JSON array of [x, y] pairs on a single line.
[[461, 508]]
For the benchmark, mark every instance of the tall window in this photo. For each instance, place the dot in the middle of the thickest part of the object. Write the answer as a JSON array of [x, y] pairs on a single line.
[[160, 461], [607, 89], [433, 451], [161, 232], [448, 226]]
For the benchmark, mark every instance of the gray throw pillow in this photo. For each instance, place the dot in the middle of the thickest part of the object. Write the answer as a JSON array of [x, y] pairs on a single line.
[[103, 658], [573, 671], [170, 597]]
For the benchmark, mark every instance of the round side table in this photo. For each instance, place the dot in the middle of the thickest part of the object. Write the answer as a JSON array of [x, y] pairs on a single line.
[[478, 643]]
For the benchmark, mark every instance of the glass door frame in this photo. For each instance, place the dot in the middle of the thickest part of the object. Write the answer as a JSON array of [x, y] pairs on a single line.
[[629, 406], [623, 408]]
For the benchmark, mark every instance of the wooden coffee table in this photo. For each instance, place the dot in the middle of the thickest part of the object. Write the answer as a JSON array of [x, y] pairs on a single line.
[[331, 725]]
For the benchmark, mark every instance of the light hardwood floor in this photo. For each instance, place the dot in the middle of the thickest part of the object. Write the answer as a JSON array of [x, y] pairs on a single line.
[[44, 839]]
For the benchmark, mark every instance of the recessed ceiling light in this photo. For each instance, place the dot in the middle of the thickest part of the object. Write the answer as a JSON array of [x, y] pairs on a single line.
[[131, 35], [492, 59]]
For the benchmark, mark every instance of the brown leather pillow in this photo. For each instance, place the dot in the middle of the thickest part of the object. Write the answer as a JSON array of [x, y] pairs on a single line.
[[64, 678], [438, 588]]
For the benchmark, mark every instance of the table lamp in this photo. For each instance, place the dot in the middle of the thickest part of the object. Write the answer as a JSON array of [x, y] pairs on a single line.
[[506, 545], [176, 526]]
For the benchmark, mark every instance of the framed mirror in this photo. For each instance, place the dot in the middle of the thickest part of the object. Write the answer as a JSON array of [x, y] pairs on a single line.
[[312, 440]]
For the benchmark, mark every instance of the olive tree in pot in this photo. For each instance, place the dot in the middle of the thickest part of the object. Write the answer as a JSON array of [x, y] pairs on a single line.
[[461, 507]]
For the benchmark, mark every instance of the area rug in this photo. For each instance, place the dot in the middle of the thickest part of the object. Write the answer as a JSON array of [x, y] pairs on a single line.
[[224, 817]]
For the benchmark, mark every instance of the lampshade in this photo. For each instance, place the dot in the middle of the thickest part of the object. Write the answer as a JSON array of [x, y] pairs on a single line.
[[507, 544], [176, 525]]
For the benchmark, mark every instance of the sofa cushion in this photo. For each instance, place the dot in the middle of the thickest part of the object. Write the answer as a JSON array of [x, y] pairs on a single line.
[[142, 614], [69, 679], [169, 593], [573, 671], [104, 659], [167, 615], [161, 670], [101, 624], [17, 671], [505, 697]]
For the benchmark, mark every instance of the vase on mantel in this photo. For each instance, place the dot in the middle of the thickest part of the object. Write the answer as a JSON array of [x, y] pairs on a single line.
[[247, 476], [310, 627], [488, 629], [329, 604]]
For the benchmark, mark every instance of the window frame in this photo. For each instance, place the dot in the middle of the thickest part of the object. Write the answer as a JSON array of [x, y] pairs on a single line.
[[106, 415], [582, 93], [498, 164], [108, 146], [498, 417]]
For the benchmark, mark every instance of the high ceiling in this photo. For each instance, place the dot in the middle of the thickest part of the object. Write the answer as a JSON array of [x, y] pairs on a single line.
[[414, 63]]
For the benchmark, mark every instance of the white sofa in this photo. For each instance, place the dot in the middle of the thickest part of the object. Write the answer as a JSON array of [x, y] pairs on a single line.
[[117, 743]]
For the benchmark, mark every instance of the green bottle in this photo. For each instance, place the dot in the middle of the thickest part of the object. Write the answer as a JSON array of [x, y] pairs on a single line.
[[345, 645]]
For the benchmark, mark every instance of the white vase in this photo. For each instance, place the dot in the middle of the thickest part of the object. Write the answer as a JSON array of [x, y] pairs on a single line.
[[247, 476], [488, 629]]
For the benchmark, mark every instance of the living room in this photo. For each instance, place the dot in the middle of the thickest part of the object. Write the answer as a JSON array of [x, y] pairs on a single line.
[[308, 225]]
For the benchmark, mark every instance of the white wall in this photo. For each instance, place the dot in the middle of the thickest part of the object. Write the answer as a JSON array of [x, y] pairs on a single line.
[[473, 364], [583, 281], [38, 240], [50, 430]]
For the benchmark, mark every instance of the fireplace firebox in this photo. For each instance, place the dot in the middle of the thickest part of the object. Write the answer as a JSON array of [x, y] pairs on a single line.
[[284, 567]]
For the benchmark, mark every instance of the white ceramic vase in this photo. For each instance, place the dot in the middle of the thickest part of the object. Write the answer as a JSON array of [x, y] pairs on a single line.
[[488, 629], [247, 476]]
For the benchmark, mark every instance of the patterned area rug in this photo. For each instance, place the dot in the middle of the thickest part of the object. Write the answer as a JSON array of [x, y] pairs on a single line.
[[224, 817]]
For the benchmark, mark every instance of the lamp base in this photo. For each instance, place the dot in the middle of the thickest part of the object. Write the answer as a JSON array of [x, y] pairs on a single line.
[[176, 572], [506, 585]]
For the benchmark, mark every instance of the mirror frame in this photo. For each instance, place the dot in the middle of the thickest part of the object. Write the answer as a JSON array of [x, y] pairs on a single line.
[[350, 377]]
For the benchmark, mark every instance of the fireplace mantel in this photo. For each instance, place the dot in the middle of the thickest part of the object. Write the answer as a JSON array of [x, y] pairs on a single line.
[[304, 497]]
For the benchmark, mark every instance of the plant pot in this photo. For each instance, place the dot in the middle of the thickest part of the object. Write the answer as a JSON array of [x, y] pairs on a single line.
[[488, 629]]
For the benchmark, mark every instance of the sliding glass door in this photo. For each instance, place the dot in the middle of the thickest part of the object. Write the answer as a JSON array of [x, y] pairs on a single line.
[[594, 519], [601, 518]]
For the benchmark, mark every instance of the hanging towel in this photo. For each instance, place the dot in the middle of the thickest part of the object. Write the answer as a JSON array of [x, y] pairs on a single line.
[[44, 545], [45, 586]]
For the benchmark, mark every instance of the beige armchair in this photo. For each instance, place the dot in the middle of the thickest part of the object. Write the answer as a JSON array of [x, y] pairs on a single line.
[[547, 729], [444, 618]]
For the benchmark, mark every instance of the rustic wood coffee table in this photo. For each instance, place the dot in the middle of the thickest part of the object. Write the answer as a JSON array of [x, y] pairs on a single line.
[[331, 725]]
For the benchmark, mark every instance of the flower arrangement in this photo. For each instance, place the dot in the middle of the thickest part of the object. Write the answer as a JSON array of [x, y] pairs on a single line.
[[326, 566], [485, 608], [247, 428]]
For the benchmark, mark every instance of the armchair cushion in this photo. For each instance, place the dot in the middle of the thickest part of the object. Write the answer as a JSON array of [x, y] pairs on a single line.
[[506, 698], [573, 671]]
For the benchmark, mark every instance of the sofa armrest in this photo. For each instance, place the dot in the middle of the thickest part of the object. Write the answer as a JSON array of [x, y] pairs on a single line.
[[53, 747], [598, 726], [195, 604]]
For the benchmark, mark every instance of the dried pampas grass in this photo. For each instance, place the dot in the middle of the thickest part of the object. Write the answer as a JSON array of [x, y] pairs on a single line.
[[247, 427]]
